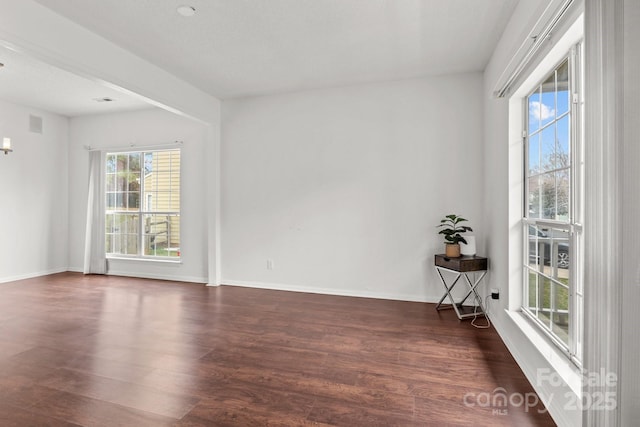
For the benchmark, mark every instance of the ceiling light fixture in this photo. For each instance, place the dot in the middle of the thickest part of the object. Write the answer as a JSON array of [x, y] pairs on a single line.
[[105, 99], [186, 10]]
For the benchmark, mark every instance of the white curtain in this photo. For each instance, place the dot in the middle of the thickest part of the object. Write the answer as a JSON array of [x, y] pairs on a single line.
[[95, 261]]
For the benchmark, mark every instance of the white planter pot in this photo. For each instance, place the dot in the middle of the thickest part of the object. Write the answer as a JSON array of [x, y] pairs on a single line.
[[470, 247]]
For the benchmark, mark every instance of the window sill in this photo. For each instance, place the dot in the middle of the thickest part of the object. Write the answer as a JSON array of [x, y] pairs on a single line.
[[161, 261], [566, 369]]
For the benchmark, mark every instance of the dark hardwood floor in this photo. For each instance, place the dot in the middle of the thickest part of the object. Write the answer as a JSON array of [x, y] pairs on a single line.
[[114, 351]]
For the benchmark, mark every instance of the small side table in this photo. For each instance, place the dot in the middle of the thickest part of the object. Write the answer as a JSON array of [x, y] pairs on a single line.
[[460, 267]]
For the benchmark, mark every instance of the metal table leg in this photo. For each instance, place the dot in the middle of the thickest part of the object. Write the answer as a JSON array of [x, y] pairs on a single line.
[[457, 307]]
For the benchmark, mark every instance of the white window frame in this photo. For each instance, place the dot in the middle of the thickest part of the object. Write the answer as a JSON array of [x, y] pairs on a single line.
[[573, 225], [143, 209]]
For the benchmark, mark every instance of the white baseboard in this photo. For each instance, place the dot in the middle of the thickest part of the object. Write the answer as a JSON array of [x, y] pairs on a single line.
[[554, 401], [359, 293], [190, 279], [177, 278], [32, 275]]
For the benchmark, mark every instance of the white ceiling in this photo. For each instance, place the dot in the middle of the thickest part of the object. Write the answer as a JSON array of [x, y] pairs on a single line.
[[27, 81], [233, 48]]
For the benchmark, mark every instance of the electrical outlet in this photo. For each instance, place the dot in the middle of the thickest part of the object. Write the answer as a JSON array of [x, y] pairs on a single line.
[[495, 293], [269, 264]]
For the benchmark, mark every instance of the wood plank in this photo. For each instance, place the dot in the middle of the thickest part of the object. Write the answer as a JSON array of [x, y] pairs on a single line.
[[105, 350], [94, 412], [11, 416]]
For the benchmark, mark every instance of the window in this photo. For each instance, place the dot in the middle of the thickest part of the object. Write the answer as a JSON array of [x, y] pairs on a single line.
[[142, 214], [552, 232]]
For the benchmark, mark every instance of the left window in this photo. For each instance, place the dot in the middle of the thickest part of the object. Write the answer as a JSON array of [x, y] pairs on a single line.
[[142, 204]]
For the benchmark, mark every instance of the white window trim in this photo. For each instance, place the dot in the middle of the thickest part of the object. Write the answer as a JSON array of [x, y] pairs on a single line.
[[568, 371], [573, 225], [164, 260], [555, 55], [142, 212]]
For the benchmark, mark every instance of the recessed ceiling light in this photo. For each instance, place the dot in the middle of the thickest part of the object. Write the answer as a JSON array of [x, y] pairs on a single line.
[[105, 99], [186, 10]]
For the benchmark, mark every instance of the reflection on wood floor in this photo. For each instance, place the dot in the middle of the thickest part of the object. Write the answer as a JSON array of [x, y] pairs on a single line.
[[107, 351]]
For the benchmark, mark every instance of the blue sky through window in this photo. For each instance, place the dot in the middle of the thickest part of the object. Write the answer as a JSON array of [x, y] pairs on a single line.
[[548, 109]]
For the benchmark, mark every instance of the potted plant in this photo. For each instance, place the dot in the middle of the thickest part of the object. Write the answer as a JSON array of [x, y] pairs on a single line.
[[452, 230]]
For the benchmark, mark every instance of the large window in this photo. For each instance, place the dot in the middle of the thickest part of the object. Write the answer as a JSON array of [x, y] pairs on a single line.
[[143, 204], [552, 232]]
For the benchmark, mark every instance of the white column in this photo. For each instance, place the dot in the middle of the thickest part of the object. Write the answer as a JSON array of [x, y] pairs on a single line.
[[212, 166]]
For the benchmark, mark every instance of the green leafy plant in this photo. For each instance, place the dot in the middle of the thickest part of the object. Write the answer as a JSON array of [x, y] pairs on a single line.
[[452, 230]]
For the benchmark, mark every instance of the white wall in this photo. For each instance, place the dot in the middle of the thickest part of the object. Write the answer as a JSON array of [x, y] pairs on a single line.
[[342, 188], [143, 128], [34, 194], [499, 224]]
